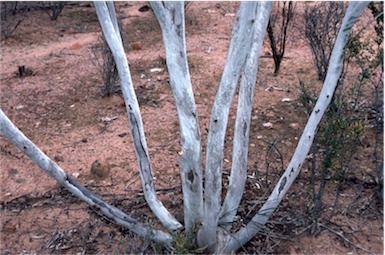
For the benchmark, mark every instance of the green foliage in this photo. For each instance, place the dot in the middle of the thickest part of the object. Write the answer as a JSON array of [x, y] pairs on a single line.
[[339, 133], [307, 98], [359, 94], [159, 247], [183, 244], [339, 136]]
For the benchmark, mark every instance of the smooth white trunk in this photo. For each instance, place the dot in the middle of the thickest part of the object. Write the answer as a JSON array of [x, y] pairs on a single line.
[[171, 19]]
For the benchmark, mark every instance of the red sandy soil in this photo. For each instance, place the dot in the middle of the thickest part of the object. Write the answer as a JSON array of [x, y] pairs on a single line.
[[60, 106]]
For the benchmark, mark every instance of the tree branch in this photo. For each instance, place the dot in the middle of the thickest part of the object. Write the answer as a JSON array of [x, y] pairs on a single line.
[[13, 134], [171, 19], [136, 125], [242, 125], [240, 45], [294, 167]]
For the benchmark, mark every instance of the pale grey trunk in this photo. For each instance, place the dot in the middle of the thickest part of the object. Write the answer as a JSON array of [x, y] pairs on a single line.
[[13, 134], [242, 124], [136, 125], [171, 19], [240, 44], [293, 169], [111, 10]]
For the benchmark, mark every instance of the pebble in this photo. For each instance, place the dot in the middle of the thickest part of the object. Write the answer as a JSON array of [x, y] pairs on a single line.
[[58, 158], [137, 45], [100, 169], [294, 126], [268, 125]]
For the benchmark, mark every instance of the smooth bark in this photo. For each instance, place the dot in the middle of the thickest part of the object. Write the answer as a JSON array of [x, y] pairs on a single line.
[[111, 10], [240, 44], [171, 19], [303, 147], [136, 125], [242, 125], [246, 36]]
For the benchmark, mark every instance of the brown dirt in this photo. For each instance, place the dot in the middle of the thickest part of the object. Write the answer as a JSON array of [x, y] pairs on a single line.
[[59, 107]]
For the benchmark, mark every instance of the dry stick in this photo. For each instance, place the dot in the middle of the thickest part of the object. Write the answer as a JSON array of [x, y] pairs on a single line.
[[13, 134], [136, 124], [157, 190], [303, 147], [344, 238]]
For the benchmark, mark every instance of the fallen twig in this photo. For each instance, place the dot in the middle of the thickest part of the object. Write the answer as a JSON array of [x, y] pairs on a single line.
[[344, 238], [271, 87]]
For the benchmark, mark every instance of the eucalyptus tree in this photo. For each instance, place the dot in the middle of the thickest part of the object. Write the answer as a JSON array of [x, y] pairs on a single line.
[[207, 219]]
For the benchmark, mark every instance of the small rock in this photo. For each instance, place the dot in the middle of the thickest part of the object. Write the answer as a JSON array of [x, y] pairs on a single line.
[[108, 119], [13, 172], [123, 134], [24, 71], [267, 53], [156, 69], [286, 99], [137, 45], [20, 180], [158, 78], [84, 140], [58, 158], [142, 76], [294, 126], [268, 125], [259, 137], [91, 183], [100, 169]]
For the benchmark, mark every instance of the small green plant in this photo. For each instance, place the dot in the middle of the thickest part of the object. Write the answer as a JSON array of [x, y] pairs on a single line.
[[307, 98], [338, 137], [349, 115], [183, 244], [368, 54]]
